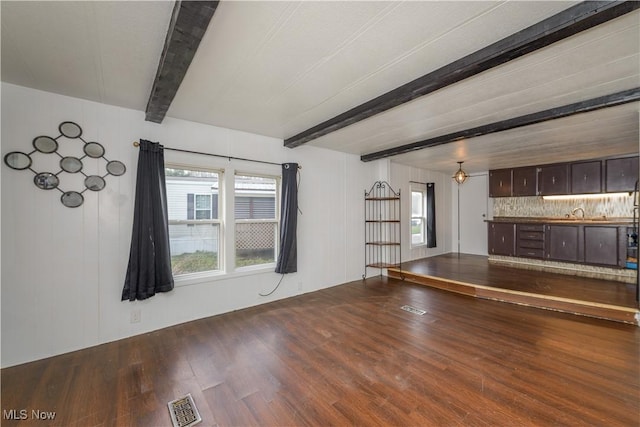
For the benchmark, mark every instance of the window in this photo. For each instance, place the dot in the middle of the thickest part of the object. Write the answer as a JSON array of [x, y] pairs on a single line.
[[194, 223], [203, 206], [256, 219], [201, 209], [418, 217]]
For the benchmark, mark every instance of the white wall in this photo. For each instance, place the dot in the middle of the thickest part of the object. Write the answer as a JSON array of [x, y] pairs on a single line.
[[63, 269], [401, 176]]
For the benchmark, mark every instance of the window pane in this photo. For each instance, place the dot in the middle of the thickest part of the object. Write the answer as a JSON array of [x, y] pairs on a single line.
[[255, 243], [194, 247], [193, 195], [203, 201], [191, 190], [416, 203], [417, 231], [203, 214], [255, 199]]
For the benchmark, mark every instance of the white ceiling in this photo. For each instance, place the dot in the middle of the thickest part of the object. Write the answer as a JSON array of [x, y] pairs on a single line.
[[278, 68]]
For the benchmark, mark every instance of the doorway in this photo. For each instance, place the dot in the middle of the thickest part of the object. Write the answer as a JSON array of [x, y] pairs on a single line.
[[474, 200]]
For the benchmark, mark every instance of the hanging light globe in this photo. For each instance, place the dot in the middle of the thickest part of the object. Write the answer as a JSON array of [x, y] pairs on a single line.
[[460, 175]]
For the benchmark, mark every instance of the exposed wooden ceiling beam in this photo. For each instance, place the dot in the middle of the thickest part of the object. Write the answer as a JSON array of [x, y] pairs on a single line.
[[189, 22], [606, 101], [560, 26]]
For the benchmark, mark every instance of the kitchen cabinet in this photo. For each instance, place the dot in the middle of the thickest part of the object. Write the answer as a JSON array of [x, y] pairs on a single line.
[[502, 239], [582, 177], [500, 183], [553, 179], [525, 181], [621, 174], [563, 242], [581, 242], [530, 240], [603, 245], [586, 177]]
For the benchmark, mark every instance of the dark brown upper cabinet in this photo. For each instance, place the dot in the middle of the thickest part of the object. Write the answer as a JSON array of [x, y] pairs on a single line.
[[586, 177], [525, 181], [553, 179], [621, 174], [581, 177], [500, 183]]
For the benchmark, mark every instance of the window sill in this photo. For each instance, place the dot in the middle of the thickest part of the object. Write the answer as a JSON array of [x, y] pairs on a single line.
[[204, 277]]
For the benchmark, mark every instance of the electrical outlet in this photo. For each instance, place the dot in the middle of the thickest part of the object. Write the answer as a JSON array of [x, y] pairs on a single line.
[[136, 316]]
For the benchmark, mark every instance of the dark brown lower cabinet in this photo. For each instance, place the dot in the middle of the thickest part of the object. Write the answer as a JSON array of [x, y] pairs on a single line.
[[502, 239], [563, 242], [530, 240], [583, 243], [602, 245]]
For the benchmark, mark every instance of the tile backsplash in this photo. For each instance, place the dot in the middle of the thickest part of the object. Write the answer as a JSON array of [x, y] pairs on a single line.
[[536, 206]]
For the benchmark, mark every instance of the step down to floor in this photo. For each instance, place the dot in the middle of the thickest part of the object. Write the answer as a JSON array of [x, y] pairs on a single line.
[[566, 305]]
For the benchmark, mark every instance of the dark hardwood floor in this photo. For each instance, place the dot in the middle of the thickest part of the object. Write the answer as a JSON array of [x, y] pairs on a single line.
[[348, 355]]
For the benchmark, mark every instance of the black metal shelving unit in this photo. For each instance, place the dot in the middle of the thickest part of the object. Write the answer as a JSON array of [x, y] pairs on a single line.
[[383, 248], [632, 247]]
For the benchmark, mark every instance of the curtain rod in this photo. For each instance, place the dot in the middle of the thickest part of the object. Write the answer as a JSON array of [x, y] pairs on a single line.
[[137, 144]]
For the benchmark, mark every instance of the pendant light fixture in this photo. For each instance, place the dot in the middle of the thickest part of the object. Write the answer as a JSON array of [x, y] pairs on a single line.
[[460, 176]]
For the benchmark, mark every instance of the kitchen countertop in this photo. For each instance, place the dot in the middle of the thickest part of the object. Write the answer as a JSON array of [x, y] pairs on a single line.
[[561, 220]]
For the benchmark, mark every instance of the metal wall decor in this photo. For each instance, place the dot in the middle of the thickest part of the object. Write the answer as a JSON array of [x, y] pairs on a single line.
[[70, 164]]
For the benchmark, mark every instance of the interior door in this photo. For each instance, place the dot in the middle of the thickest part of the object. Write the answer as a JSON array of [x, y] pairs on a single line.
[[474, 199]]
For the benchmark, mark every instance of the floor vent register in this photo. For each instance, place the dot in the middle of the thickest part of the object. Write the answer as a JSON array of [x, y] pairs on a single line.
[[412, 309], [184, 412]]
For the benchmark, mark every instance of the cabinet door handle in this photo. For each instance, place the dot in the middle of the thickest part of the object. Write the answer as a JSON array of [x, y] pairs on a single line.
[[553, 179], [500, 183], [563, 243], [502, 239], [585, 178], [525, 182]]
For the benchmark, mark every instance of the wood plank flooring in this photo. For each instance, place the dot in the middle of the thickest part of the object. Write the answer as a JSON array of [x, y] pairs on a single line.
[[348, 355], [478, 270]]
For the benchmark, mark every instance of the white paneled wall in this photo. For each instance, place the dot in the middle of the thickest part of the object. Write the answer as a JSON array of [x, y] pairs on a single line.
[[63, 269], [401, 176]]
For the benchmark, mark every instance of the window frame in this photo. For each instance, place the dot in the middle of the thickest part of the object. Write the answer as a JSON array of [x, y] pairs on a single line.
[[227, 172], [422, 189]]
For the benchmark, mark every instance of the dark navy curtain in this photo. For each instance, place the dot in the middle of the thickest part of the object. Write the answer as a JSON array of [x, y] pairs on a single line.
[[288, 255], [431, 215], [149, 269]]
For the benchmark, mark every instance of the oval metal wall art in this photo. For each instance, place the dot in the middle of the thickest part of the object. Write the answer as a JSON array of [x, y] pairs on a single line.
[[45, 144], [18, 160], [72, 199], [46, 181], [69, 164]]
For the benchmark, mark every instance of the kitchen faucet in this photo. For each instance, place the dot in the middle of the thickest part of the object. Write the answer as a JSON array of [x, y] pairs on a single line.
[[573, 212]]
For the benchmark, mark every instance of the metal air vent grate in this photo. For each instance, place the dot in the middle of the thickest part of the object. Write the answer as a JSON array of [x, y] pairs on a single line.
[[184, 412], [414, 310]]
